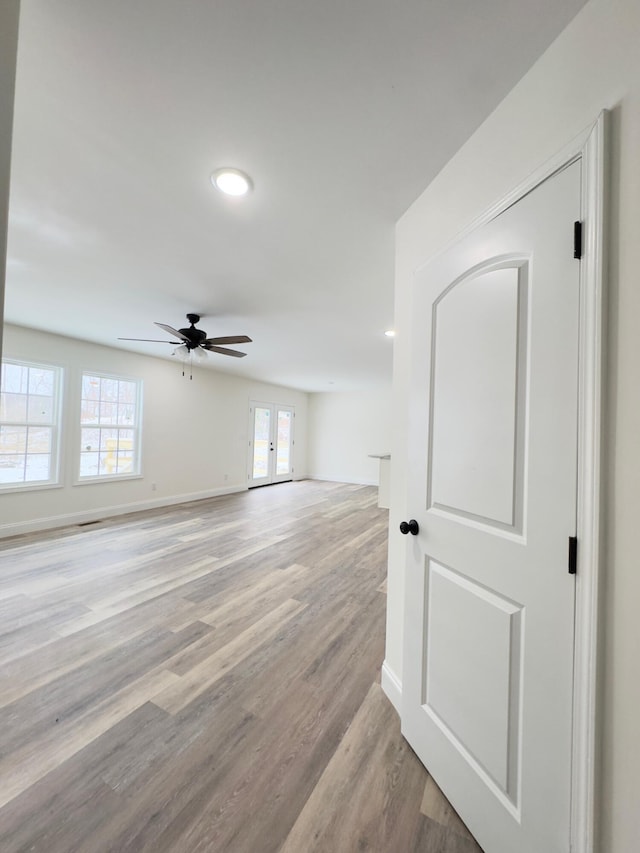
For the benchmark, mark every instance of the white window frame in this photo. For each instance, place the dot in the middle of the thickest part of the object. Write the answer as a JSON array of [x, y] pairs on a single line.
[[55, 425], [135, 427]]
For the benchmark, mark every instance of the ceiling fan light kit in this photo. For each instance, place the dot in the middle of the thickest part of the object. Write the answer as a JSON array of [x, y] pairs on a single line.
[[181, 352]]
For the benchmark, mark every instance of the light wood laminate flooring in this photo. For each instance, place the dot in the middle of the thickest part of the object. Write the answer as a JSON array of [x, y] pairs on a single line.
[[206, 678]]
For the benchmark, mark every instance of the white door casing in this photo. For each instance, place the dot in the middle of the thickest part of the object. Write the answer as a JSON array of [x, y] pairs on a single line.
[[495, 426]]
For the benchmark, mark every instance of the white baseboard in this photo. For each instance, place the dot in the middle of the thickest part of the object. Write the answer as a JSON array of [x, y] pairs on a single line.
[[391, 686], [72, 518], [349, 481]]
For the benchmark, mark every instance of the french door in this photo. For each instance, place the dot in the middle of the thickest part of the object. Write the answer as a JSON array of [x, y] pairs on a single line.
[[270, 443]]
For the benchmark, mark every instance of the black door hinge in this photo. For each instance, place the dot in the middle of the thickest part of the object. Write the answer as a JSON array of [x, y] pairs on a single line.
[[577, 239], [573, 554]]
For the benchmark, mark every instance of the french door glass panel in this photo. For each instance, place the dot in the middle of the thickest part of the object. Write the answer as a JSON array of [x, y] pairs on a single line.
[[283, 446], [261, 434]]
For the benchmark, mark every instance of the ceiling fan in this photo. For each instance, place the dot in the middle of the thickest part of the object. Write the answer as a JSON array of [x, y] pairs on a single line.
[[194, 341]]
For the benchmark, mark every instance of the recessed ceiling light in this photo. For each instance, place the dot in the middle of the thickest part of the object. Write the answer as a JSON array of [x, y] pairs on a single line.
[[231, 181], [390, 333]]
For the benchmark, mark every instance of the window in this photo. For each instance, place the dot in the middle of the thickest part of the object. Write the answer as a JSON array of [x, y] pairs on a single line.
[[29, 423], [110, 426]]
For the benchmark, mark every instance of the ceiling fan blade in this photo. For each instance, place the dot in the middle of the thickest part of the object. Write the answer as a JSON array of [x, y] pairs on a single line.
[[231, 339], [223, 351], [149, 341], [173, 331]]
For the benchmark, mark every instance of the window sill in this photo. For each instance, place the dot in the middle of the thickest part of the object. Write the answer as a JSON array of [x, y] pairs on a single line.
[[14, 488], [105, 478]]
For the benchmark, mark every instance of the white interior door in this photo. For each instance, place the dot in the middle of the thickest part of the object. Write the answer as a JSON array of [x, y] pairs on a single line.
[[271, 443], [489, 631]]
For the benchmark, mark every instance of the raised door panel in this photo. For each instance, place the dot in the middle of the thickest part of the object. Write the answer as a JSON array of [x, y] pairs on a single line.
[[473, 645], [478, 378]]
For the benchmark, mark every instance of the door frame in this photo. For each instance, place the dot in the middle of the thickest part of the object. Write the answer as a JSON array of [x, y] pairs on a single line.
[[590, 149]]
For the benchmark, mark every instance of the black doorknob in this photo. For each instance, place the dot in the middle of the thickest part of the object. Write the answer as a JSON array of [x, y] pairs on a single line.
[[409, 527]]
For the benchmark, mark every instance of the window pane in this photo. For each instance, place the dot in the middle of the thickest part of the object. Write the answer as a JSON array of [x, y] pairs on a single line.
[[125, 462], [14, 378], [126, 414], [88, 464], [13, 439], [127, 392], [109, 446], [39, 440], [108, 413], [13, 407], [11, 469], [125, 439], [90, 388], [38, 466], [41, 381], [40, 410], [89, 412], [109, 440], [109, 390], [90, 439], [106, 464]]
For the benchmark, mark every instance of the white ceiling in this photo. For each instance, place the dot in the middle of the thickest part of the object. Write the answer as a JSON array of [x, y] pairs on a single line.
[[342, 112]]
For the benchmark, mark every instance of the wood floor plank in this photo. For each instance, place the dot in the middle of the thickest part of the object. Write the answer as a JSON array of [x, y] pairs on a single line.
[[205, 678], [149, 609], [189, 686], [255, 596], [151, 587], [34, 760], [238, 614], [344, 809]]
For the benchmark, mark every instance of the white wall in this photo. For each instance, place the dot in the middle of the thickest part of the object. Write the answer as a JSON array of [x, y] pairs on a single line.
[[595, 64], [344, 427], [9, 13], [194, 439]]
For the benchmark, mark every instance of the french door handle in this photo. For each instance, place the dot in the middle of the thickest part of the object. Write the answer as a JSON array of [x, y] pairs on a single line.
[[409, 527]]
